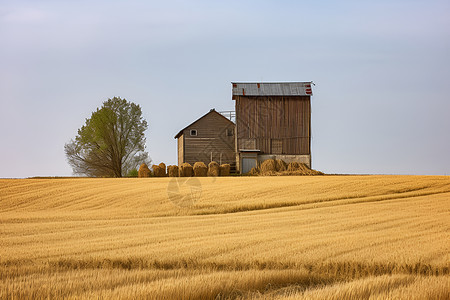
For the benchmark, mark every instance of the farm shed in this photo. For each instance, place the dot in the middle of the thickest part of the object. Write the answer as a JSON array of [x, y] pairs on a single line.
[[209, 138], [273, 120]]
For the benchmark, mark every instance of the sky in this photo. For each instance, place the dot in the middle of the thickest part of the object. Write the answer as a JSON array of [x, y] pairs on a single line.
[[381, 70]]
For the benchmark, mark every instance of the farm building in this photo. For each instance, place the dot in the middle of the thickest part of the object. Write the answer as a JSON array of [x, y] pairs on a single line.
[[273, 120], [209, 138]]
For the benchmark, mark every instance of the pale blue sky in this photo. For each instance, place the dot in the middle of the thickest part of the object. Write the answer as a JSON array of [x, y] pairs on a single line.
[[382, 71]]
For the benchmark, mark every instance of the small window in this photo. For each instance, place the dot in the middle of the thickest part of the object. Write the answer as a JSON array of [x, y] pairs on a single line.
[[230, 132], [193, 132], [277, 146]]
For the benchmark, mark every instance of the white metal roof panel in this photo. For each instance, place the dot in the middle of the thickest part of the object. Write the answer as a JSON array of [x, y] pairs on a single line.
[[272, 89]]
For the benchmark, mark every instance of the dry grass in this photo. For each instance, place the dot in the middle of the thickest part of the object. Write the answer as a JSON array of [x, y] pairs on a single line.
[[281, 165], [278, 167], [326, 237], [268, 167], [380, 287], [295, 168]]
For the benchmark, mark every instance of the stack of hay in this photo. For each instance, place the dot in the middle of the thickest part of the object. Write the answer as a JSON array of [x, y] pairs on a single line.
[[253, 172], [272, 167], [172, 171], [213, 169], [158, 171], [281, 165], [268, 167], [224, 170], [186, 170], [162, 166], [144, 171], [295, 168], [200, 169]]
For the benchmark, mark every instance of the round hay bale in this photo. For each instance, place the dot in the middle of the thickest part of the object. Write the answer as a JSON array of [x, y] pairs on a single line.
[[163, 168], [157, 171], [144, 171], [268, 167], [186, 170], [224, 170], [200, 169], [293, 166], [173, 171], [281, 165], [213, 169]]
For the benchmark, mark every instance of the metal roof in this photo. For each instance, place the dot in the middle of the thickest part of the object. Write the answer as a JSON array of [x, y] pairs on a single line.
[[272, 89], [249, 150]]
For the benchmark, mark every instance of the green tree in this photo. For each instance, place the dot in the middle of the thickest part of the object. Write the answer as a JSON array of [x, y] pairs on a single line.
[[111, 143]]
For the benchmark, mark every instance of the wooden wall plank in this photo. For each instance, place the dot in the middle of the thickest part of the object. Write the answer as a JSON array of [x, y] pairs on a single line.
[[215, 136], [285, 118]]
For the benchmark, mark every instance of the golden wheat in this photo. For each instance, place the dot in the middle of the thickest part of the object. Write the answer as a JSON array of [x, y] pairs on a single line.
[[336, 237]]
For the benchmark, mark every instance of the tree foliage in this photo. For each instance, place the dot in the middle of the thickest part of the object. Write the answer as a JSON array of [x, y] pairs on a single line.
[[111, 143]]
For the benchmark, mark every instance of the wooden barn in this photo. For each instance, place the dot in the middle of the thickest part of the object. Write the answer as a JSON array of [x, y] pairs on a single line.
[[273, 120], [209, 138]]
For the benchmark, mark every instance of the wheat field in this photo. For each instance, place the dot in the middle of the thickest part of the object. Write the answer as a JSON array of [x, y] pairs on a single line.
[[318, 237]]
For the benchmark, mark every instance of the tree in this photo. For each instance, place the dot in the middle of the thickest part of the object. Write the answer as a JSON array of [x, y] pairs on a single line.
[[111, 143]]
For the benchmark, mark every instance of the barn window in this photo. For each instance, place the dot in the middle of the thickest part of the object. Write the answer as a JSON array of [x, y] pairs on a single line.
[[229, 132], [193, 132], [277, 146]]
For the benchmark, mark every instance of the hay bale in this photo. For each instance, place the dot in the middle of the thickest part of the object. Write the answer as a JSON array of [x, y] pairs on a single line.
[[304, 168], [213, 169], [254, 172], [281, 165], [186, 170], [315, 172], [144, 171], [200, 169], [173, 171], [158, 171], [224, 170], [293, 166], [268, 167], [163, 168]]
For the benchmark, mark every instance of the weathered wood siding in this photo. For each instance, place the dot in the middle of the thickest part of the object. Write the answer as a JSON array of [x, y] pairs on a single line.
[[213, 140], [180, 142], [274, 124]]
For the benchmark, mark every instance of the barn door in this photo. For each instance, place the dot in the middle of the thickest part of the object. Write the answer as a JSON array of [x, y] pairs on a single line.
[[247, 164]]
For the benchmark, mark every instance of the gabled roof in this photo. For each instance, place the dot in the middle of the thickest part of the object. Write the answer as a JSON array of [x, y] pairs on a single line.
[[272, 89], [212, 111]]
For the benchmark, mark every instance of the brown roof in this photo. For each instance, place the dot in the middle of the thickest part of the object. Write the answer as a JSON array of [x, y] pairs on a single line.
[[212, 111]]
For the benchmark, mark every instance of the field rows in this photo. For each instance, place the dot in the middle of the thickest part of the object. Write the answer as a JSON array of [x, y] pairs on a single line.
[[244, 237]]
